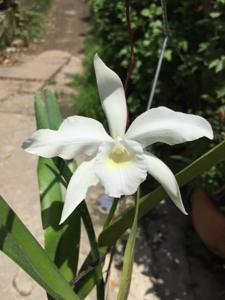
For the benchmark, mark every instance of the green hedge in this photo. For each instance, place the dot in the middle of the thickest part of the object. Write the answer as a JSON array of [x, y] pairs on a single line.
[[192, 78]]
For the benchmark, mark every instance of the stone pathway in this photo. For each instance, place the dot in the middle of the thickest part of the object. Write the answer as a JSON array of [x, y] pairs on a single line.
[[18, 84]]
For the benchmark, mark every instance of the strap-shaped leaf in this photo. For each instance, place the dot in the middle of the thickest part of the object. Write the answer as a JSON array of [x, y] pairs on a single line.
[[18, 243], [42, 120], [61, 242], [148, 202], [53, 112]]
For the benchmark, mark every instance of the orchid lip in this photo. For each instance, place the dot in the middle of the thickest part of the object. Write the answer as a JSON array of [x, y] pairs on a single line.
[[120, 167], [119, 155]]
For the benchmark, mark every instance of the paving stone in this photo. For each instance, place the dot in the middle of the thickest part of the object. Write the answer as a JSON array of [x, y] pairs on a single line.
[[4, 91], [7, 289], [25, 57], [6, 277], [66, 74], [29, 71], [23, 283], [19, 104], [12, 87], [55, 57], [19, 188], [21, 86], [60, 83], [18, 170], [43, 67]]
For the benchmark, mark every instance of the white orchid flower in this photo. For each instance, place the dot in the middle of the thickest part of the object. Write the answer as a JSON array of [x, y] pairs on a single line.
[[118, 161]]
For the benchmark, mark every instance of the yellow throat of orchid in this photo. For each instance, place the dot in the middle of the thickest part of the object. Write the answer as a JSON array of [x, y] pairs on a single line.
[[118, 156]]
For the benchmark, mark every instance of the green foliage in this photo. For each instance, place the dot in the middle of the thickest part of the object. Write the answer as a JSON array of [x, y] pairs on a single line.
[[18, 243], [31, 19], [193, 71]]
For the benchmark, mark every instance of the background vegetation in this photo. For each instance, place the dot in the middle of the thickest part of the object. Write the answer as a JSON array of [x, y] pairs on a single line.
[[193, 72], [30, 17]]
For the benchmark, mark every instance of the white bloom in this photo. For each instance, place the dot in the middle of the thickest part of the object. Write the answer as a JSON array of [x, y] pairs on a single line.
[[118, 161]]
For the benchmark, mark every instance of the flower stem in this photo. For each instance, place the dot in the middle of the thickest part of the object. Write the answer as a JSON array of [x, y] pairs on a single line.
[[129, 256]]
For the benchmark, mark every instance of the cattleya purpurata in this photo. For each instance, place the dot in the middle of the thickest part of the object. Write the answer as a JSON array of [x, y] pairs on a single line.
[[118, 161]]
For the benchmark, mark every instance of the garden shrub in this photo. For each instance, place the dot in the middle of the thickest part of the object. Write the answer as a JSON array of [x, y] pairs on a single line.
[[192, 78], [31, 19]]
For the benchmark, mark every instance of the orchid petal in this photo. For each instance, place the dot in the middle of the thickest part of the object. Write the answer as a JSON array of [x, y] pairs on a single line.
[[76, 135], [122, 174], [162, 124], [112, 97], [82, 179], [166, 178]]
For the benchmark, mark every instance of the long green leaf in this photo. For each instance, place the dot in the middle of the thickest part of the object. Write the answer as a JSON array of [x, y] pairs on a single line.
[[51, 204], [41, 111], [61, 242], [53, 112], [128, 259], [148, 202], [18, 243]]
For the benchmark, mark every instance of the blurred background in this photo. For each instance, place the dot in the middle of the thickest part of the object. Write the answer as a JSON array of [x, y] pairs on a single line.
[[50, 44]]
